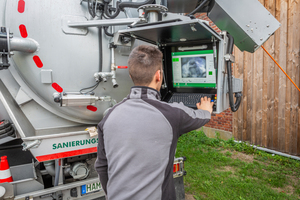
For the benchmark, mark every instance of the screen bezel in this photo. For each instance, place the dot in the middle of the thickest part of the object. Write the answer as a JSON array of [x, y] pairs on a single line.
[[196, 53], [167, 67]]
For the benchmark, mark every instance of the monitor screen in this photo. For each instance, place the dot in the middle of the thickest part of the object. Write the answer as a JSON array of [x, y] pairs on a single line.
[[193, 69]]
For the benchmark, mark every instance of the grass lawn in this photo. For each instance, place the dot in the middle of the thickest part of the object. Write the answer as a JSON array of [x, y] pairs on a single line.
[[218, 169]]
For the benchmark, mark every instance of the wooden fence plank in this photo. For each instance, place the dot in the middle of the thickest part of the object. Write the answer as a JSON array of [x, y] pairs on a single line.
[[282, 78], [264, 107], [258, 63], [249, 64], [245, 92], [270, 5], [253, 102], [235, 114], [294, 62], [289, 66], [265, 103], [298, 135], [238, 116], [240, 112], [277, 34], [298, 69], [296, 101], [265, 97]]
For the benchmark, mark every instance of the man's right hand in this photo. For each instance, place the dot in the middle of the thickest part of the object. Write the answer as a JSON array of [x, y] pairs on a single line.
[[205, 104]]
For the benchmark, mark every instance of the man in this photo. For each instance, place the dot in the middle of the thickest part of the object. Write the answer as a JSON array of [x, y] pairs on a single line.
[[138, 136]]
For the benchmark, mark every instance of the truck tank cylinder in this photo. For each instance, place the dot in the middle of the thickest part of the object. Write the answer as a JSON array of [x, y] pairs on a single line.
[[62, 59]]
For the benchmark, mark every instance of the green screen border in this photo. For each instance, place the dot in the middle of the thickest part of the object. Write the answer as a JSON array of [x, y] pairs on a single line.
[[192, 53]]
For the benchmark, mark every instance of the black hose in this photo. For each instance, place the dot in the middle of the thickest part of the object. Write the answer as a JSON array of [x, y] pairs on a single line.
[[234, 106], [93, 87], [107, 33], [9, 133], [230, 44], [121, 6], [90, 89], [199, 7], [134, 4], [211, 5], [103, 16], [5, 130], [106, 10]]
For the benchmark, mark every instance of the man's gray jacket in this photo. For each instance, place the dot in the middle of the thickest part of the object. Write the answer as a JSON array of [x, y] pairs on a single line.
[[137, 142]]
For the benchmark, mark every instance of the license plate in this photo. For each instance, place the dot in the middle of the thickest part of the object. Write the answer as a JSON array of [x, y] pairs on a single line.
[[89, 188]]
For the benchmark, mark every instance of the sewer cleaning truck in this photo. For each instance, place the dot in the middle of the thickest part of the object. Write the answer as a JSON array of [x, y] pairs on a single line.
[[63, 65]]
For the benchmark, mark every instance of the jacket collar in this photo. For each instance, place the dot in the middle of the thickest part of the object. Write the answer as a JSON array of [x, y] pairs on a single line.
[[143, 92]]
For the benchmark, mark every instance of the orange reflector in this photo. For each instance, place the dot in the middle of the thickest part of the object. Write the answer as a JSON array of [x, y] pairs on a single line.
[[176, 168]]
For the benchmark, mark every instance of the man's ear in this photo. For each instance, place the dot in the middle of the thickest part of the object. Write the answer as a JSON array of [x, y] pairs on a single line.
[[158, 75]]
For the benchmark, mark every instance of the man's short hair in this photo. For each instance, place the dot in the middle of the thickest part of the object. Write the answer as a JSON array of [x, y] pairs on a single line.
[[143, 62]]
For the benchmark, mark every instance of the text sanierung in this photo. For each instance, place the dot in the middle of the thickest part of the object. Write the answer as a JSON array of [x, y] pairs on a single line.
[[74, 143]]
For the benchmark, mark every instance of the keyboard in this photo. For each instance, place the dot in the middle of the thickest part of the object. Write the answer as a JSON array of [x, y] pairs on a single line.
[[189, 99]]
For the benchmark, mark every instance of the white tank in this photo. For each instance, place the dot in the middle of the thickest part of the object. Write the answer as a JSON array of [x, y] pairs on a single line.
[[65, 61]]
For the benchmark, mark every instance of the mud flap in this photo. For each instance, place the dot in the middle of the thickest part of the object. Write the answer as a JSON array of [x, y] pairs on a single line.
[[179, 188]]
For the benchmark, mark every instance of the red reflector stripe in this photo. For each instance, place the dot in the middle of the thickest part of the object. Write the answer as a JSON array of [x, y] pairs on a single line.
[[5, 180], [21, 6], [66, 154], [38, 61], [23, 31], [122, 67], [57, 87], [92, 108]]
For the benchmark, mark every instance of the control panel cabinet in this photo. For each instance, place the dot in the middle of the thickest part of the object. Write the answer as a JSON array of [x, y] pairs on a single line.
[[195, 60]]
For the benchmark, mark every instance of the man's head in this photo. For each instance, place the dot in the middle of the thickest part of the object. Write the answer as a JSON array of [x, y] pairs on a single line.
[[145, 66]]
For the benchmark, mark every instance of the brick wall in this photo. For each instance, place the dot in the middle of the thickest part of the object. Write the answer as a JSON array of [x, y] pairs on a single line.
[[222, 121]]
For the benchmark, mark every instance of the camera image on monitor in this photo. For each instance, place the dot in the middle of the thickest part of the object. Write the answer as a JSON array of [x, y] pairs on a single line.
[[193, 67]]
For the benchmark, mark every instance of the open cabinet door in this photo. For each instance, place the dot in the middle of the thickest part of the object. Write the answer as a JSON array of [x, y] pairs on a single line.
[[174, 32], [249, 22]]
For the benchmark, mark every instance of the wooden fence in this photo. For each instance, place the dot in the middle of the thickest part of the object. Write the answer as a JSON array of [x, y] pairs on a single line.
[[269, 115]]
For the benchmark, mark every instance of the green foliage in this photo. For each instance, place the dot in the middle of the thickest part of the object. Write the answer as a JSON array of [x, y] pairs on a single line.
[[214, 170]]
